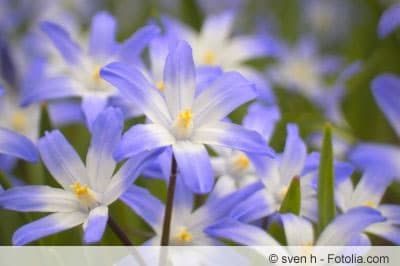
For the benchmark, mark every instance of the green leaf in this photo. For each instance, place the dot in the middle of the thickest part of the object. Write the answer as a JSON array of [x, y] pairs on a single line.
[[275, 229], [292, 201], [4, 182], [45, 122], [326, 197]]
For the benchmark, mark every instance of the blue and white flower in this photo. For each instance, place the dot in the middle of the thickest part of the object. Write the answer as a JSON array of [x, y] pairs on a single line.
[[369, 193], [81, 77], [86, 190], [182, 119]]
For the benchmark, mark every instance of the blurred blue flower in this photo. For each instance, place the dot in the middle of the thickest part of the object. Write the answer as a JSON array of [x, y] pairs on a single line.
[[188, 226], [300, 231], [182, 119], [389, 21], [216, 45], [86, 191], [81, 75], [369, 193]]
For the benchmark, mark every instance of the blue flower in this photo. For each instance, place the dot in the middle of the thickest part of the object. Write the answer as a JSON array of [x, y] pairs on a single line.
[[389, 21], [215, 45], [369, 193], [188, 226], [86, 191], [81, 75], [182, 119], [300, 231]]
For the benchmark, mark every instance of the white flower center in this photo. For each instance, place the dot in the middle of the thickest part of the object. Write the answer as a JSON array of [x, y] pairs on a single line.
[[183, 124], [85, 195], [183, 237]]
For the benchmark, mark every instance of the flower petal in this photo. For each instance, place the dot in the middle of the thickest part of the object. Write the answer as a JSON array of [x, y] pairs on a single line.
[[95, 225], [17, 145], [62, 41], [240, 233], [218, 27], [298, 230], [179, 78], [135, 87], [142, 202], [391, 212], [380, 159], [194, 166], [128, 173], [48, 225], [253, 208], [294, 155], [130, 50], [61, 159], [106, 133], [386, 89], [232, 136], [389, 21], [92, 106], [102, 35], [39, 199], [224, 95], [143, 137], [348, 225], [387, 231]]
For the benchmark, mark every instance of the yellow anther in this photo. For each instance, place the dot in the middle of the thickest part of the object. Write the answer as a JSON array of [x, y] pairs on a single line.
[[80, 190], [184, 235], [283, 192], [370, 204], [160, 85], [96, 74], [185, 118], [241, 162], [19, 121], [209, 57]]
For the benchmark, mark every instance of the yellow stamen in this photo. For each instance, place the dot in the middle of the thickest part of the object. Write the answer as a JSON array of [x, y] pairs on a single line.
[[96, 74], [184, 235], [242, 162], [19, 121], [80, 190], [209, 57], [370, 204], [283, 192], [160, 85], [185, 118]]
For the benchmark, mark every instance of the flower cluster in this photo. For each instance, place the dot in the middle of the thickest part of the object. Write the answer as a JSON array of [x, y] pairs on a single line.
[[196, 132]]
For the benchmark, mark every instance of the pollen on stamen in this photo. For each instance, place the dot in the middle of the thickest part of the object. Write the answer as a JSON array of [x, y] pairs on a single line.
[[370, 204], [19, 121], [160, 85], [209, 57], [241, 162], [96, 74], [185, 118], [80, 190], [184, 235]]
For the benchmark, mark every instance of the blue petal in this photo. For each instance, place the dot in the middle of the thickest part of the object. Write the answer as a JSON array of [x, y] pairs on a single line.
[[135, 87], [17, 145], [349, 225], [240, 233], [381, 159], [145, 137], [95, 225], [294, 155], [232, 136], [130, 50], [40, 199], [387, 231], [205, 76], [106, 133], [102, 35], [224, 95], [262, 119], [145, 205], [92, 106], [194, 166], [50, 89], [127, 174], [252, 208], [62, 41], [390, 20], [218, 27], [386, 89], [48, 225], [179, 78], [391, 212], [61, 159], [65, 112]]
